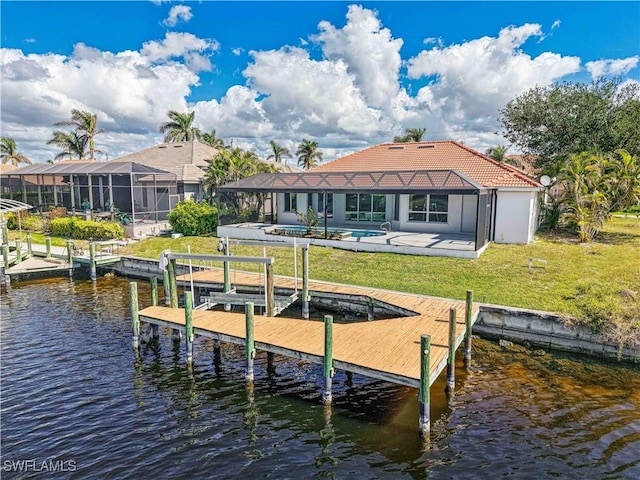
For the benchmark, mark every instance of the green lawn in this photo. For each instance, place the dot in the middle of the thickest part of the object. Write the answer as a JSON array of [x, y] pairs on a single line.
[[501, 275]]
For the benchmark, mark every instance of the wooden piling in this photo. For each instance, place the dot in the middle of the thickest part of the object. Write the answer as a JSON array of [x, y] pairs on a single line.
[[5, 233], [18, 250], [154, 291], [92, 261], [424, 396], [227, 272], [305, 281], [173, 285], [166, 287], [249, 339], [370, 310], [70, 257], [188, 322], [5, 255], [328, 359], [29, 249], [270, 287], [47, 242], [451, 358], [135, 318], [217, 357], [270, 367], [468, 312]]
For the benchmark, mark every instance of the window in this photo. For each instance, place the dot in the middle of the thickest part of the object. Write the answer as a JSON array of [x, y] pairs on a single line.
[[290, 204], [429, 208], [329, 204], [365, 207]]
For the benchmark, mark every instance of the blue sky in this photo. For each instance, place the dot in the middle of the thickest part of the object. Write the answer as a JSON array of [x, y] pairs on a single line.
[[346, 74]]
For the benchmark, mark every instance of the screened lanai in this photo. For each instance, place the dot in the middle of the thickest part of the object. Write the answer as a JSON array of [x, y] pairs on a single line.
[[442, 203], [137, 192]]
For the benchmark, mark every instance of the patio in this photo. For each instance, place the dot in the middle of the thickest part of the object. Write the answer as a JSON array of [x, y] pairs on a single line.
[[410, 243]]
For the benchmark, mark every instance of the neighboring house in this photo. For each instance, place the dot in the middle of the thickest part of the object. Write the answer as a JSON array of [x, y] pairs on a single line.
[[442, 188]]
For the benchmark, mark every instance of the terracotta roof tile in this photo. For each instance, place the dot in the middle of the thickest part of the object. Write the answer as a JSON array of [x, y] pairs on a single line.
[[441, 155]]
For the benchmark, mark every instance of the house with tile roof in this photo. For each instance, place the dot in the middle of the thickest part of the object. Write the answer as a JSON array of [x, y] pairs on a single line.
[[434, 196]]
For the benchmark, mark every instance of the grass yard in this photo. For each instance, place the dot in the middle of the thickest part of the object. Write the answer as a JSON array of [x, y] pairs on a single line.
[[501, 275]]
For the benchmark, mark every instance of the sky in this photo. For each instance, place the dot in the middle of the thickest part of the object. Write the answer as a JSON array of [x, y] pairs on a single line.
[[347, 75]]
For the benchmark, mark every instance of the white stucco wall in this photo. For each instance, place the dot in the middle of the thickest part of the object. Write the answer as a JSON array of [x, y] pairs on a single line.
[[290, 217], [516, 213], [454, 219]]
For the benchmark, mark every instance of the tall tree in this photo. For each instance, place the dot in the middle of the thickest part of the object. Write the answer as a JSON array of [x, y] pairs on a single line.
[[411, 135], [86, 126], [308, 154], [180, 127], [498, 153], [71, 144], [10, 153], [569, 118], [278, 152], [212, 140]]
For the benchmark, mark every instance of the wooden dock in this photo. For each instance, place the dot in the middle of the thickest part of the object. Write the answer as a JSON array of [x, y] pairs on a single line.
[[386, 349]]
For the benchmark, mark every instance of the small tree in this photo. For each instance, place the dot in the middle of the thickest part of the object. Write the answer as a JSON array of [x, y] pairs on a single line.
[[309, 218]]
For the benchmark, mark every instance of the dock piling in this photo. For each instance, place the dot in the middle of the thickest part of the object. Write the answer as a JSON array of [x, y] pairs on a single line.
[[270, 288], [92, 260], [305, 282], [370, 310], [18, 250], [70, 257], [47, 242], [424, 397], [173, 285], [328, 359], [5, 255], [135, 318], [227, 272], [166, 287], [29, 249], [154, 291], [451, 358], [188, 321], [468, 327], [249, 338]]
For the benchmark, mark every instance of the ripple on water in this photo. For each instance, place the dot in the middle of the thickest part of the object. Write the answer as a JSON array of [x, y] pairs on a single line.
[[72, 389]]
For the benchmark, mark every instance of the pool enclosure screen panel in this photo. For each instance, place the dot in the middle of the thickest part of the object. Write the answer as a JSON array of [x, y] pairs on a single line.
[[483, 225]]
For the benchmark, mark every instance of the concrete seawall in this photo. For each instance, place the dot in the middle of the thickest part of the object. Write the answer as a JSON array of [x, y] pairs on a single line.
[[536, 328]]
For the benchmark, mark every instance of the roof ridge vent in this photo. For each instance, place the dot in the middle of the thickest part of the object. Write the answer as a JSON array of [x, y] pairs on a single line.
[[431, 145], [396, 147]]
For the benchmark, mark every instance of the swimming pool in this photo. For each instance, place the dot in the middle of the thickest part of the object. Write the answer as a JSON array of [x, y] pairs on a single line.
[[301, 230]]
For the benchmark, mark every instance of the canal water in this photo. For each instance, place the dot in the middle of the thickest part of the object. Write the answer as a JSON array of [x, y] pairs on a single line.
[[77, 403]]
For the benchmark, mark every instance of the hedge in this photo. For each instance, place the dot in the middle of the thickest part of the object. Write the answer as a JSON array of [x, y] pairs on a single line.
[[73, 227], [191, 218]]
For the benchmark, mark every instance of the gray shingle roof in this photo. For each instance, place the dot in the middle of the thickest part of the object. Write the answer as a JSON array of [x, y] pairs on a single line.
[[187, 160]]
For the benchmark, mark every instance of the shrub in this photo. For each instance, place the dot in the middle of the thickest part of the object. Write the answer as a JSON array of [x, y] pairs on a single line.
[[191, 218], [73, 227], [31, 223]]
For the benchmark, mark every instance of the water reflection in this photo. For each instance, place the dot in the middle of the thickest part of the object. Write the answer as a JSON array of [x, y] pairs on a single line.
[[72, 384]]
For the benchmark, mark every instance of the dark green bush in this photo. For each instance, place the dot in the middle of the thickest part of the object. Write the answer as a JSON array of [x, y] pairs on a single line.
[[73, 227], [191, 218]]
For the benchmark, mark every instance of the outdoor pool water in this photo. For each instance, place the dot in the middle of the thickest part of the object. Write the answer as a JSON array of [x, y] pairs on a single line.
[[75, 395], [355, 233]]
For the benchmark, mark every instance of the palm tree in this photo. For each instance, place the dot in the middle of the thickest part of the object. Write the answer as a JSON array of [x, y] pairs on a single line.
[[623, 180], [10, 153], [498, 153], [86, 124], [278, 152], [211, 139], [71, 144], [308, 154], [180, 127], [411, 135]]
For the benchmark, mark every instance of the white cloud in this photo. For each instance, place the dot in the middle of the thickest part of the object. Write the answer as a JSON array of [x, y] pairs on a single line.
[[177, 14], [175, 46], [237, 51], [369, 52], [600, 68], [476, 78]]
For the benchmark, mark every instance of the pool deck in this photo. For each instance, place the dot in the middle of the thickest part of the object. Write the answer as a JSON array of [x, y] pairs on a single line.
[[411, 243]]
